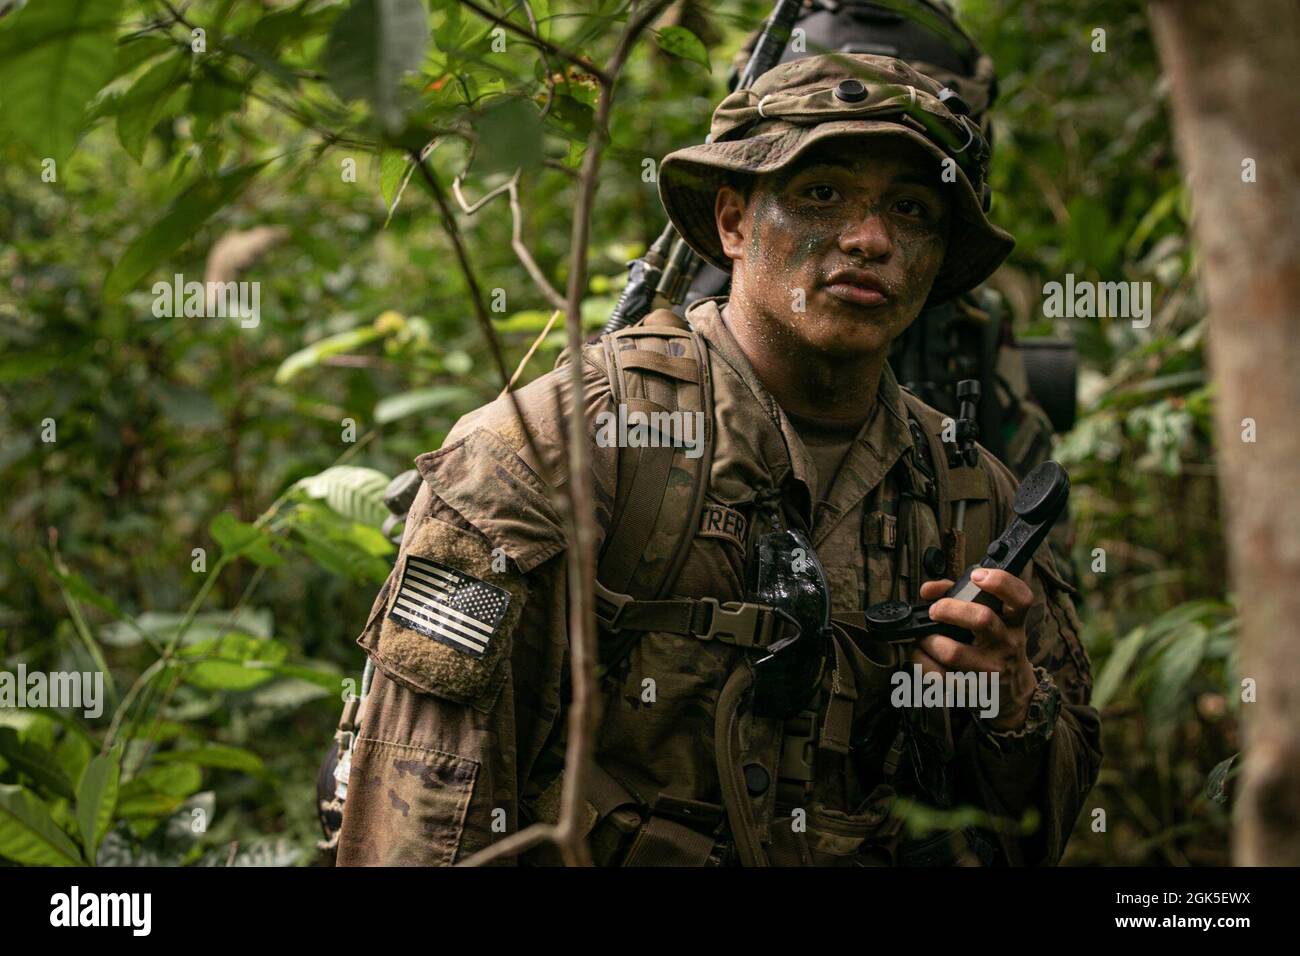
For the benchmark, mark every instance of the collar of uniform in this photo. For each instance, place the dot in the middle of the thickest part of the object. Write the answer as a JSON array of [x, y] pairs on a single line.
[[884, 438], [791, 457]]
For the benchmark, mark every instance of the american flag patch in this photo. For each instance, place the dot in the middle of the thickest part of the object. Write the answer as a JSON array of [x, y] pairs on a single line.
[[448, 606]]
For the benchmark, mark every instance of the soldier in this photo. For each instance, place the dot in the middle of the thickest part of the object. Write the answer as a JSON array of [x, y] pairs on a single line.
[[747, 714], [970, 336]]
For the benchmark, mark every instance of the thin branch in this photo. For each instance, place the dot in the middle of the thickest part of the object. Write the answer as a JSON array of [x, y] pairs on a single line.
[[569, 833], [522, 252], [513, 845], [475, 296], [524, 255], [538, 41], [523, 362], [582, 553], [546, 61]]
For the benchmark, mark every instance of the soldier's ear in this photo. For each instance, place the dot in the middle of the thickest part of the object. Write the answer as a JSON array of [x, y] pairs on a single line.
[[729, 214]]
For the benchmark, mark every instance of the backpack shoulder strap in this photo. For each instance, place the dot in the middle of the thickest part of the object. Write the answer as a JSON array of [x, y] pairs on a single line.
[[950, 485], [658, 365]]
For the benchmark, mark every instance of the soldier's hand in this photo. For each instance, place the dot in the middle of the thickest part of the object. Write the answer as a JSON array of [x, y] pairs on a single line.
[[1000, 645]]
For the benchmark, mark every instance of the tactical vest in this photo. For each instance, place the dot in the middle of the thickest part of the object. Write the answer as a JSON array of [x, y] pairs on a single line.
[[661, 366]]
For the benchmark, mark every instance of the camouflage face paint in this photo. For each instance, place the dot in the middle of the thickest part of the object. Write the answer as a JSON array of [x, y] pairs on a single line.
[[834, 210]]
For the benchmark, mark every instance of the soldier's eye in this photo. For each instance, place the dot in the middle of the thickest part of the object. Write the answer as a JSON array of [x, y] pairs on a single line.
[[823, 193], [910, 207]]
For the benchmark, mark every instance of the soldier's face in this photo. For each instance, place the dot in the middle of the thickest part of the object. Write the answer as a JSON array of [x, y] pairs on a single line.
[[839, 250]]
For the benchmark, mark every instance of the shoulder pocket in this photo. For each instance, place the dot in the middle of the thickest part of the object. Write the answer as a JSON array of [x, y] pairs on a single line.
[[445, 625]]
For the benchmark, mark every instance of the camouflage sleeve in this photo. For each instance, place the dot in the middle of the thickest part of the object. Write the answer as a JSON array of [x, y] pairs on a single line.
[[469, 643], [1054, 778]]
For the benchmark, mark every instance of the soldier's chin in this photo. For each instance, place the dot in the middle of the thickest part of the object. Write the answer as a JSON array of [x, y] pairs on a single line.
[[849, 336]]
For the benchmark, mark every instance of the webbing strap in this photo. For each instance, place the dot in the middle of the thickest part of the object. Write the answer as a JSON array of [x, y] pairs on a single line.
[[837, 723], [938, 464], [742, 623], [668, 843], [606, 794], [674, 366], [650, 471]]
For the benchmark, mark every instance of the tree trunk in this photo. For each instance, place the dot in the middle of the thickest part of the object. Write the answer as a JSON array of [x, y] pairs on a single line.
[[1234, 72]]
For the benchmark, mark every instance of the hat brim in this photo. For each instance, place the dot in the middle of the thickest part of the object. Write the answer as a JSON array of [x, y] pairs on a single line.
[[689, 179]]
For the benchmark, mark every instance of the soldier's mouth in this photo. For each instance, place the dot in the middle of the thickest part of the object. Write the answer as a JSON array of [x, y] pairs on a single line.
[[858, 287]]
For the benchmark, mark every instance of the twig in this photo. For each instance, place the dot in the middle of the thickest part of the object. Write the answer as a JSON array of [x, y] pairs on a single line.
[[525, 256], [580, 527], [523, 362], [476, 297], [536, 40], [549, 71], [513, 845]]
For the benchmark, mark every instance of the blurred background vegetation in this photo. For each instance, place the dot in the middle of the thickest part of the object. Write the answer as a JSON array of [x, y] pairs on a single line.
[[282, 146]]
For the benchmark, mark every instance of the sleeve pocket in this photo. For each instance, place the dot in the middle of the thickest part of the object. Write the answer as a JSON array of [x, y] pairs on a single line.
[[406, 806]]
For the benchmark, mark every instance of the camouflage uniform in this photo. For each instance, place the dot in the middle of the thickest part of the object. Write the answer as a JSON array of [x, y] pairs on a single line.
[[462, 742]]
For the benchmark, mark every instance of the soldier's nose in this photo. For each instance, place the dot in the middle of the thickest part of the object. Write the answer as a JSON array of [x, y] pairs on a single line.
[[867, 237]]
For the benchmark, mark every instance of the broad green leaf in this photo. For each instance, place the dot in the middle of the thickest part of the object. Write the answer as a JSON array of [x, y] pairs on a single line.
[[509, 136], [190, 210], [176, 779], [240, 539], [313, 354], [34, 760], [330, 543], [213, 94], [1174, 669], [291, 694], [142, 107], [392, 166], [422, 400], [97, 797], [1117, 667], [54, 57], [325, 679], [238, 662], [449, 27], [289, 27], [135, 50], [267, 62], [73, 754], [681, 42], [205, 626], [228, 676], [148, 805], [354, 492], [33, 364], [216, 755], [374, 43], [572, 117], [28, 833]]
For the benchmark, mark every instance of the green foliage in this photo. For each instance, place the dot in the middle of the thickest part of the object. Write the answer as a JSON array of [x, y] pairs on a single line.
[[28, 833], [186, 214], [54, 57], [373, 44]]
